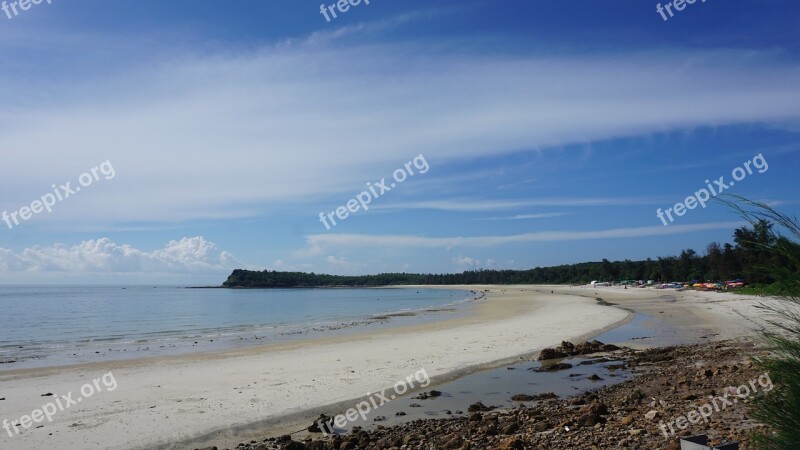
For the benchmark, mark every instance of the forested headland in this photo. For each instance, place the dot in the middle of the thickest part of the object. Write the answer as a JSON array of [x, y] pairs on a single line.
[[746, 258]]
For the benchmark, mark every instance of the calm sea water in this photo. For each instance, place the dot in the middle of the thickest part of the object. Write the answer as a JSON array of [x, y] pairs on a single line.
[[44, 326]]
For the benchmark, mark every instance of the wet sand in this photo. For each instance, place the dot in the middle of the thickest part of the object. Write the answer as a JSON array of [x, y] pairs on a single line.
[[172, 401], [224, 398]]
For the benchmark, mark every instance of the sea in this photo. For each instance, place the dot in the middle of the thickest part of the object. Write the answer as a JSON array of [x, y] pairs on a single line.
[[42, 326]]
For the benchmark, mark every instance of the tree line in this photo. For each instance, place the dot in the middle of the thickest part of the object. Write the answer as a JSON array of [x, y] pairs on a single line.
[[746, 258]]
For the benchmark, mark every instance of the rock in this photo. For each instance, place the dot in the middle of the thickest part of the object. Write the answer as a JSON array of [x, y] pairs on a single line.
[[553, 367], [569, 349], [688, 397], [602, 419], [511, 428], [476, 407], [601, 409], [627, 420], [551, 353], [530, 398], [512, 444], [323, 419], [545, 396], [456, 442], [540, 427], [294, 445], [595, 377], [427, 395], [589, 420], [489, 430], [636, 397]]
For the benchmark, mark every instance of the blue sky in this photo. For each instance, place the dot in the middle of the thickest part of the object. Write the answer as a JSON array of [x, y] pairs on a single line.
[[553, 131]]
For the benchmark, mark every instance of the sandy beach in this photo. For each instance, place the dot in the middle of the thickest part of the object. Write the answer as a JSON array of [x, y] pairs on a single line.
[[226, 397]]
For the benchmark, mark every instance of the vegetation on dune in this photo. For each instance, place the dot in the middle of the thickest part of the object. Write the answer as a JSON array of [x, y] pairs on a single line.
[[780, 408], [760, 253], [742, 259]]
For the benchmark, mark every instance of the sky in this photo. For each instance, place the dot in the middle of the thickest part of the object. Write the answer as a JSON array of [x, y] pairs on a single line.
[[158, 142]]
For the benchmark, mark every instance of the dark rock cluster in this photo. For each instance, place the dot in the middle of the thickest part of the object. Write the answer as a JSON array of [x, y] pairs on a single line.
[[569, 349], [667, 383]]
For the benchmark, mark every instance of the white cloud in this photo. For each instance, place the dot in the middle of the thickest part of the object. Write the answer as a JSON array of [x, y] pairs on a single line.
[[465, 262], [187, 255], [526, 216], [320, 243], [238, 133], [334, 261], [475, 205]]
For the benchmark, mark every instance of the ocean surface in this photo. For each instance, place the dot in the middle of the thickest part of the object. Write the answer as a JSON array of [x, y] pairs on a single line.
[[57, 325]]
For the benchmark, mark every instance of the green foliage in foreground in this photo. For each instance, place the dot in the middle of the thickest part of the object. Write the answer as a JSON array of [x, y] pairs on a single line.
[[780, 408], [773, 290]]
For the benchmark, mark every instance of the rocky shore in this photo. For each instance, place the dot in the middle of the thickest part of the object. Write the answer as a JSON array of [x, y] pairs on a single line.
[[669, 384]]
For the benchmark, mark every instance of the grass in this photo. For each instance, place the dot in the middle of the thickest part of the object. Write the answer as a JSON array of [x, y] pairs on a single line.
[[763, 290], [780, 408]]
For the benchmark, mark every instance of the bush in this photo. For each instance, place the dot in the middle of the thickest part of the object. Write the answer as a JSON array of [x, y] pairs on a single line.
[[780, 409]]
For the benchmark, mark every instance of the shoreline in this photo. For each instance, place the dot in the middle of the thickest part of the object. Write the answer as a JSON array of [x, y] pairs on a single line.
[[513, 322], [178, 399], [69, 354], [666, 385]]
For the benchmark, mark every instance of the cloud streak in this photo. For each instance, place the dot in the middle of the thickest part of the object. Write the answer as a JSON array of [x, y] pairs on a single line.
[[526, 216], [258, 129], [319, 243]]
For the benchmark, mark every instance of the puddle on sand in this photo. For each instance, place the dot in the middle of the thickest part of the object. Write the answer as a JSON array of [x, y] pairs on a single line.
[[495, 387], [647, 331]]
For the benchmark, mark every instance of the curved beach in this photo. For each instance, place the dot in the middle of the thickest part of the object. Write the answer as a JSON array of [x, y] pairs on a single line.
[[220, 398]]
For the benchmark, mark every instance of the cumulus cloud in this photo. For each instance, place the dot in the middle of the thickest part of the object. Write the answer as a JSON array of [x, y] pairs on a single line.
[[465, 262], [187, 255]]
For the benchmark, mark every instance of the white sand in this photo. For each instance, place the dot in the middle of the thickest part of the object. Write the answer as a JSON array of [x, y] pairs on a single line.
[[722, 315], [162, 400], [174, 399]]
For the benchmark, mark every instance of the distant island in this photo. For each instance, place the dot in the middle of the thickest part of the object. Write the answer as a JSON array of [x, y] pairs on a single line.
[[741, 260]]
